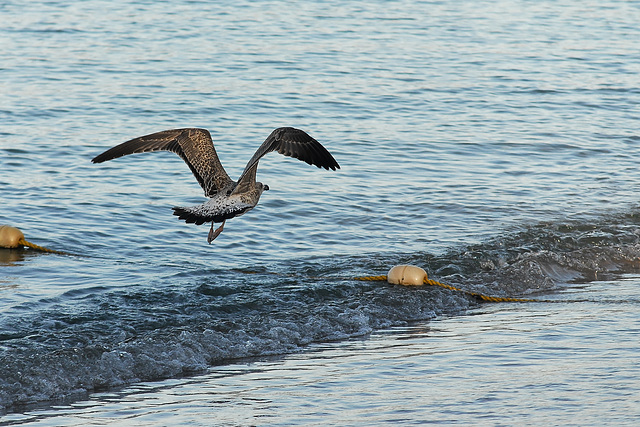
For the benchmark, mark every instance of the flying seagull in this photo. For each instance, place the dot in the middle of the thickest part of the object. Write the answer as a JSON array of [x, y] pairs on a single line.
[[227, 198]]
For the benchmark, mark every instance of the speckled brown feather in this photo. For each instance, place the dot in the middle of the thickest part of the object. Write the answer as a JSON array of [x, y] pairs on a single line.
[[193, 145]]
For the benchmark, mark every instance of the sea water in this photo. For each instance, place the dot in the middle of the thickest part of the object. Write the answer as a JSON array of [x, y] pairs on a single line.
[[494, 144]]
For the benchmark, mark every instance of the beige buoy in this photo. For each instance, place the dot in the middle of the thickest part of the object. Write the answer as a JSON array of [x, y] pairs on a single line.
[[406, 275], [10, 237]]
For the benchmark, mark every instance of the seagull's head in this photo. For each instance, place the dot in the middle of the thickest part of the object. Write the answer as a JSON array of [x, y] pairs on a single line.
[[261, 187]]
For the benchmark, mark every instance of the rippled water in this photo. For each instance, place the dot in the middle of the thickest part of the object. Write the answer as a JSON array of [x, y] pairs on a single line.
[[493, 143]]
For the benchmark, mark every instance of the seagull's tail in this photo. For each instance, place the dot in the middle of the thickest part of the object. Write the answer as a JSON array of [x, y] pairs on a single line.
[[198, 215], [193, 215]]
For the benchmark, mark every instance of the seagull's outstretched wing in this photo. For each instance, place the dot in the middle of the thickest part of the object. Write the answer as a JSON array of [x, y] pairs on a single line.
[[290, 142], [193, 145]]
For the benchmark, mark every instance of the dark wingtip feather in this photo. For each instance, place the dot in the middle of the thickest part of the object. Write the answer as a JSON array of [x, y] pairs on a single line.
[[112, 153], [328, 162], [300, 145], [99, 158]]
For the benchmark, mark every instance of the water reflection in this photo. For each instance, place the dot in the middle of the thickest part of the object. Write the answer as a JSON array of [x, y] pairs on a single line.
[[11, 256]]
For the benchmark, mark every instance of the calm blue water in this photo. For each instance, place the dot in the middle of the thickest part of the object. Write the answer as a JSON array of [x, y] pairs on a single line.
[[495, 144]]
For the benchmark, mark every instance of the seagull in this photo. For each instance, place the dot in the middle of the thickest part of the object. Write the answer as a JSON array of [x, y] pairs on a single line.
[[227, 198]]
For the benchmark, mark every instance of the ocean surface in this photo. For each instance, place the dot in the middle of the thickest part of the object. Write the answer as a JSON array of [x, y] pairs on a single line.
[[494, 143]]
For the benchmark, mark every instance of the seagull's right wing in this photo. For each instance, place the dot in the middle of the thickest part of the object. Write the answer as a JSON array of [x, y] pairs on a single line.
[[193, 145]]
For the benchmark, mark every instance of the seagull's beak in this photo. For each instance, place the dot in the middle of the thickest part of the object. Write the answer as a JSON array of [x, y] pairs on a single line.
[[266, 187]]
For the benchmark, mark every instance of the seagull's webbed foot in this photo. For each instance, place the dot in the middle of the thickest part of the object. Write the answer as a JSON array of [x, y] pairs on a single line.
[[214, 233]]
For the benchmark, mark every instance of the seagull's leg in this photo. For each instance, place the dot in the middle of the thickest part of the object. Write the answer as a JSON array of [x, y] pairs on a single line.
[[209, 238], [215, 233]]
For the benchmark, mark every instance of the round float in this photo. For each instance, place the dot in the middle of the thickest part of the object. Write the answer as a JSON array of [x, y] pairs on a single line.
[[408, 275], [10, 237]]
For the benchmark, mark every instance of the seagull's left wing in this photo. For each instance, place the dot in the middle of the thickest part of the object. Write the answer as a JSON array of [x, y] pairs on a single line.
[[290, 142]]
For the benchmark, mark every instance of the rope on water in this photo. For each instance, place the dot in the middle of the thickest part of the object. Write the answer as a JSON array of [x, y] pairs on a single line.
[[371, 278], [432, 282], [23, 242], [13, 238]]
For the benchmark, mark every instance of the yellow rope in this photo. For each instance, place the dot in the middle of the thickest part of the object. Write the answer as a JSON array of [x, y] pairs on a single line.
[[40, 248], [372, 278], [428, 281]]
